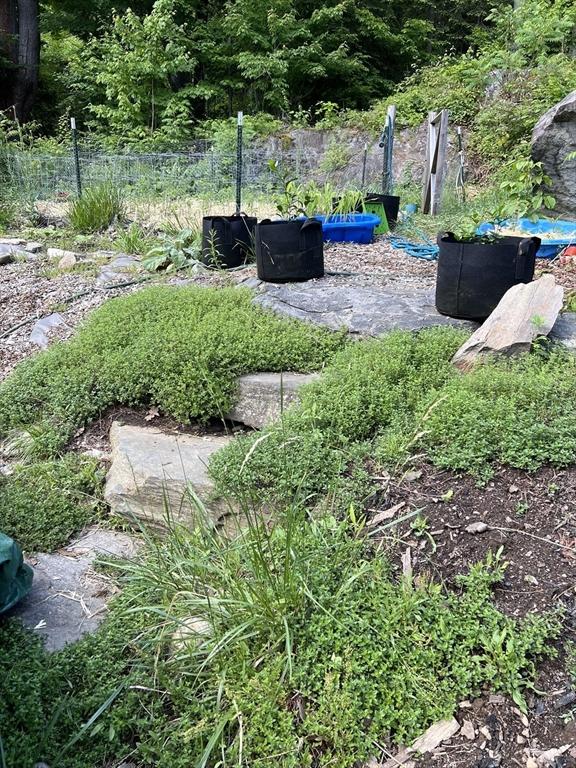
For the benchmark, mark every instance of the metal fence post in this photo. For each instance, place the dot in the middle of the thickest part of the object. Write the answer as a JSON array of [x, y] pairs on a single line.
[[76, 156], [364, 160], [239, 164]]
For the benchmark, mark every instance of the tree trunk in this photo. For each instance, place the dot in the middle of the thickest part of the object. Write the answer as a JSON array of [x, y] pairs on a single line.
[[8, 50], [26, 81]]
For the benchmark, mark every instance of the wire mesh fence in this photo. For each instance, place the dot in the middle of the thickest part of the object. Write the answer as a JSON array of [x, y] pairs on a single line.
[[161, 187]]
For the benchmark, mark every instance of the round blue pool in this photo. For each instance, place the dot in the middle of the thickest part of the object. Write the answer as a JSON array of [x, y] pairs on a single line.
[[349, 227], [555, 235]]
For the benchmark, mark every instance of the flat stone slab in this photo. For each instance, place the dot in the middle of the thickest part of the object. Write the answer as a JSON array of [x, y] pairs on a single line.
[[68, 597], [153, 471], [363, 311], [262, 397]]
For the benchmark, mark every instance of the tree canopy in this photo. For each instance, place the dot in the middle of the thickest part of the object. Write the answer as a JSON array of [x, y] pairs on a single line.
[[162, 65]]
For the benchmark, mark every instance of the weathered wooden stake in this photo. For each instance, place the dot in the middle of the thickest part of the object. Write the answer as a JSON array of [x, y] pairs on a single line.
[[435, 169]]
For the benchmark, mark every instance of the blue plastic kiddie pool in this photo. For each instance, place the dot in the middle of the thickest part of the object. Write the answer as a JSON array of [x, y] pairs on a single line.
[[555, 235], [349, 227]]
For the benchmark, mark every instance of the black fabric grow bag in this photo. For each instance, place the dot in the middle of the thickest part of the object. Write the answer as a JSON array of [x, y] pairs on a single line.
[[227, 241], [391, 205], [289, 251], [472, 277]]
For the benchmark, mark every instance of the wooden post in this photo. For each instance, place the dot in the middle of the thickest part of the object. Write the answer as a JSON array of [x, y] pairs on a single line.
[[436, 146]]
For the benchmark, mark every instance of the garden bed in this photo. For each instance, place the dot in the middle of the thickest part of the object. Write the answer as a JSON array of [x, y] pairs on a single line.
[[537, 511]]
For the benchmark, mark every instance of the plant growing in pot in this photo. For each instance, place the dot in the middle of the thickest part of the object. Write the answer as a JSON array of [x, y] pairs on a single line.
[[291, 249], [228, 241], [475, 270]]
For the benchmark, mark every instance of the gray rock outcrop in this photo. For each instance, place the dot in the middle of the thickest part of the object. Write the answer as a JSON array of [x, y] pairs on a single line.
[[553, 139], [69, 597]]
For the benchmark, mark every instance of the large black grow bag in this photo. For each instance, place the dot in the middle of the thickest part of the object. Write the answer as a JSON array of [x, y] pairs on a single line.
[[473, 276], [289, 251], [227, 241], [390, 203]]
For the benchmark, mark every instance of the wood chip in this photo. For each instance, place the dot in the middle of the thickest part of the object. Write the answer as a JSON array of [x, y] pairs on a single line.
[[435, 735], [468, 730], [386, 514]]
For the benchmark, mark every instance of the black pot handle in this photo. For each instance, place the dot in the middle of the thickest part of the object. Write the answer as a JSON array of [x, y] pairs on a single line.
[[526, 250], [303, 231]]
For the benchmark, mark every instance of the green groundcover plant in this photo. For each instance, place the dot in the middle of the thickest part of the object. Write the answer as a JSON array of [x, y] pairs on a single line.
[[292, 644], [180, 348], [389, 400], [43, 504]]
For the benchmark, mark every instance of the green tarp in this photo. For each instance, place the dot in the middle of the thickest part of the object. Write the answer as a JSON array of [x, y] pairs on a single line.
[[15, 575]]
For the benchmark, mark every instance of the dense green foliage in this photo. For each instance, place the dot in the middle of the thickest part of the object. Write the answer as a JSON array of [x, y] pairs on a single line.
[[500, 89], [387, 400], [310, 657], [181, 349], [43, 504], [153, 68]]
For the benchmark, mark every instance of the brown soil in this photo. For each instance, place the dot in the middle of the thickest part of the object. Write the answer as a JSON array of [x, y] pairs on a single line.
[[533, 517]]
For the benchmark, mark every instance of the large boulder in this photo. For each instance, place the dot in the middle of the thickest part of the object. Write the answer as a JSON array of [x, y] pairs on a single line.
[[553, 139], [153, 473]]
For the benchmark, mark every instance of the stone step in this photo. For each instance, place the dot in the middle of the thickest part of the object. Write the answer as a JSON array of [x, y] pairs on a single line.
[[152, 471], [68, 598], [262, 397]]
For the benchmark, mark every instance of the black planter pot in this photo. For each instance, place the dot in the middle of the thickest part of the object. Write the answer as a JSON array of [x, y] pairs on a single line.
[[289, 251], [472, 277], [227, 241], [390, 203]]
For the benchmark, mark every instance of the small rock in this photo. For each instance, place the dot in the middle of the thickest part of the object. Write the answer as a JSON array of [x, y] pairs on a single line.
[[98, 454], [59, 253], [488, 761], [7, 258], [513, 489], [549, 757], [531, 763], [477, 527], [497, 698], [468, 730], [565, 701], [486, 733], [520, 739], [39, 335], [190, 631], [10, 241], [67, 261], [33, 247]]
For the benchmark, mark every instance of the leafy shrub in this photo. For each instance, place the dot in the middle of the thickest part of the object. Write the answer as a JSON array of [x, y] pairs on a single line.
[[384, 401], [174, 252], [43, 504], [180, 348], [97, 209]]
